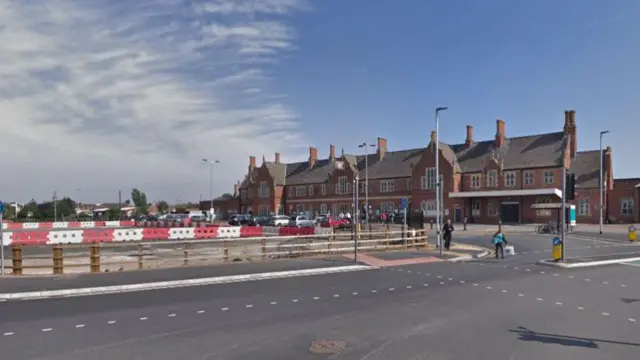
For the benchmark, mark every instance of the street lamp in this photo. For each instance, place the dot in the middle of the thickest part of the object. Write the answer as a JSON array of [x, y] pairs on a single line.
[[210, 162], [438, 185], [602, 133], [366, 180], [355, 223]]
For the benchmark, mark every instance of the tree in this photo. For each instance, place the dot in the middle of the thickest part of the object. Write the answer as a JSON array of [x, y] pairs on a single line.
[[30, 210], [163, 206], [113, 214], [139, 199], [9, 212]]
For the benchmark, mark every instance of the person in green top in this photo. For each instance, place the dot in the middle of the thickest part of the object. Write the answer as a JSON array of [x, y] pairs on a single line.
[[499, 241]]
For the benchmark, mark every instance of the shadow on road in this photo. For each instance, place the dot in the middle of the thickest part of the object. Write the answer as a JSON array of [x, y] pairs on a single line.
[[525, 334], [629, 301]]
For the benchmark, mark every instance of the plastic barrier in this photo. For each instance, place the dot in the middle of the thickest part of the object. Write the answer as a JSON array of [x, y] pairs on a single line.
[[270, 231], [30, 238], [229, 232], [205, 233], [156, 234], [250, 231], [291, 231], [65, 225], [98, 235]]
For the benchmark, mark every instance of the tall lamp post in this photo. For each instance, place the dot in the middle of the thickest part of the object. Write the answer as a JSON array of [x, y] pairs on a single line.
[[438, 185], [366, 180], [602, 133], [210, 162]]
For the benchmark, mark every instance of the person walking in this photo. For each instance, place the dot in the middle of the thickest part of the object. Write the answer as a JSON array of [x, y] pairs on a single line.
[[499, 241], [447, 231]]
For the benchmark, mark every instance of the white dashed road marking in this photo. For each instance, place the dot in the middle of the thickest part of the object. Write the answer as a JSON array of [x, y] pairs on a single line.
[[10, 333], [143, 318], [111, 322], [79, 326], [200, 311], [47, 330], [249, 306], [224, 309], [171, 315]]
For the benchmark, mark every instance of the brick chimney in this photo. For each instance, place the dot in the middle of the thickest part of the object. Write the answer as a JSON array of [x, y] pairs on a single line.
[[332, 152], [277, 158], [500, 136], [313, 156], [235, 189], [433, 136], [382, 147], [252, 163], [469, 141], [570, 131]]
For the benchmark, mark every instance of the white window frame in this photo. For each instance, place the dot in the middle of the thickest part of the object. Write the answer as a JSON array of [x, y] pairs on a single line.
[[549, 177], [324, 209], [492, 178], [363, 187], [301, 191], [627, 207], [263, 191], [387, 186], [510, 179], [428, 208], [476, 181], [430, 182], [291, 191], [334, 209], [323, 189], [386, 206], [311, 190], [528, 177], [299, 209], [342, 187], [263, 210], [583, 207], [476, 208]]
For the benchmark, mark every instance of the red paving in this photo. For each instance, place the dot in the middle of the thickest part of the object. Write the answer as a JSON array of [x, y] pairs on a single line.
[[374, 261]]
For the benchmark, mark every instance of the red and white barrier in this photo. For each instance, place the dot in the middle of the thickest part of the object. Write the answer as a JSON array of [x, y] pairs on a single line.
[[85, 236], [67, 225]]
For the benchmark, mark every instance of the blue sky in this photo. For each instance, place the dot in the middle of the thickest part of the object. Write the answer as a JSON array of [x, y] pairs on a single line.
[[100, 95]]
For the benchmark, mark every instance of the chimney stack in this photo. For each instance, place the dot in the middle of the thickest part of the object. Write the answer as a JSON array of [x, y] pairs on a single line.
[[570, 130], [235, 189], [332, 152], [469, 140], [500, 137], [433, 136], [313, 156], [382, 147], [252, 163], [277, 160]]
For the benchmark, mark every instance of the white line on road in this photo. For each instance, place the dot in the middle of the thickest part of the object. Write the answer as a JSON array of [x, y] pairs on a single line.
[[605, 314], [630, 319], [143, 318], [249, 306], [225, 309], [391, 289], [274, 303], [489, 288], [316, 298], [558, 303], [47, 330], [200, 311], [79, 326], [408, 286], [10, 333], [539, 299], [504, 291], [111, 322], [336, 295], [374, 291], [521, 295], [171, 315], [580, 308]]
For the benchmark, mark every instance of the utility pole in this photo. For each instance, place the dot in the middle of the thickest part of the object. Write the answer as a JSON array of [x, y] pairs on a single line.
[[366, 181], [356, 222], [210, 162], [602, 133], [120, 204], [55, 206], [436, 151], [563, 215]]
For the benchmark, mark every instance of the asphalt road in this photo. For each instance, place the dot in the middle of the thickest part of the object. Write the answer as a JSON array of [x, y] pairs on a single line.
[[486, 309]]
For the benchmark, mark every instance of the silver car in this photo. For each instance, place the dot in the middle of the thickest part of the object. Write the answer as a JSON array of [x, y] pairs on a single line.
[[301, 221]]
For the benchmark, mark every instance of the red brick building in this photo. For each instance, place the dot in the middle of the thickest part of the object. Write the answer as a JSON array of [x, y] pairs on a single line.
[[513, 179]]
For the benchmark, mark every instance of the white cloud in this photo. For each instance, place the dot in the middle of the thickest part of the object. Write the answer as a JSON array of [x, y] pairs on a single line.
[[102, 95]]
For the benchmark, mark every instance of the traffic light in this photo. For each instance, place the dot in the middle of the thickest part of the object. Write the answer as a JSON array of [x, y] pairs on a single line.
[[570, 187]]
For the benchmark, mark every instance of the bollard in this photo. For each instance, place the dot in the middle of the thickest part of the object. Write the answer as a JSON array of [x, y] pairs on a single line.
[[431, 224], [94, 258], [185, 262], [16, 259], [58, 259], [226, 252], [140, 262], [264, 249], [426, 239], [329, 244]]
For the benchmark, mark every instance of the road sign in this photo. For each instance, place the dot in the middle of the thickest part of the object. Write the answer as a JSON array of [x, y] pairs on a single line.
[[404, 203], [556, 241]]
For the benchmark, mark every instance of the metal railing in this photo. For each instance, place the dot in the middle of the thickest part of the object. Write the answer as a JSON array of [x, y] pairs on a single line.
[[109, 257]]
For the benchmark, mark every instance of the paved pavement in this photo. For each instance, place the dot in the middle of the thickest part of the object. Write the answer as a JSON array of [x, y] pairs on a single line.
[[487, 309]]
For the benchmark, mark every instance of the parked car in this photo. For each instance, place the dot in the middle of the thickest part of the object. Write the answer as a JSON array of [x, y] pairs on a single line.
[[279, 220], [336, 222], [320, 218], [240, 219], [260, 221], [301, 221]]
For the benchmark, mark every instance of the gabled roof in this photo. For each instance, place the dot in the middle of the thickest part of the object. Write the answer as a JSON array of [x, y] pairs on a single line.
[[543, 150], [586, 167]]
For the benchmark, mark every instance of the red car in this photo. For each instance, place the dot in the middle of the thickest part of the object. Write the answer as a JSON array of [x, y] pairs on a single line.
[[335, 222]]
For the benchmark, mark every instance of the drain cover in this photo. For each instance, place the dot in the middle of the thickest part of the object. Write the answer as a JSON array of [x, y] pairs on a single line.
[[327, 346]]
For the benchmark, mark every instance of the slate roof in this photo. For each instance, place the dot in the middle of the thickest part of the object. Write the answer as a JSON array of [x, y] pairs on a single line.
[[534, 151]]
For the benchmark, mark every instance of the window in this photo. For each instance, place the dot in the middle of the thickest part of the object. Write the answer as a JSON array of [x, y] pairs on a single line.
[[387, 206], [428, 208], [429, 180], [492, 179], [345, 208], [363, 187], [323, 190], [510, 179], [492, 209], [548, 178], [528, 177], [475, 181], [291, 191], [342, 187], [264, 190], [543, 212], [310, 190], [583, 207], [323, 209], [301, 191], [475, 208], [334, 209], [250, 193], [627, 206], [299, 207], [263, 210], [387, 186]]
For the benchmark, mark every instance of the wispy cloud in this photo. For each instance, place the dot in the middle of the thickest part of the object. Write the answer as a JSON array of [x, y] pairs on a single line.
[[98, 94]]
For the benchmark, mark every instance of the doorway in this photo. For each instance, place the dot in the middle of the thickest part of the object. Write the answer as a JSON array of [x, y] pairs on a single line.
[[457, 215], [510, 212]]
